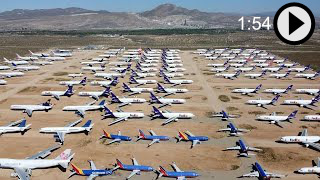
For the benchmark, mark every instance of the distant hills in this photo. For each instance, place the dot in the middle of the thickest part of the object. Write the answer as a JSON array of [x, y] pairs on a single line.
[[163, 16]]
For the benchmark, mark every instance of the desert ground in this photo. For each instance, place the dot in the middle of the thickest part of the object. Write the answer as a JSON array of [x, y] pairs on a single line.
[[208, 159]]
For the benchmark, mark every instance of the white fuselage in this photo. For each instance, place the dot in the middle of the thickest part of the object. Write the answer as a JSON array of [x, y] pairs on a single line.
[[312, 117], [175, 69], [132, 100], [243, 91], [27, 68], [178, 81], [101, 83], [309, 170], [93, 93], [11, 74], [259, 102], [6, 129], [297, 69], [70, 83], [271, 69], [307, 76], [278, 75], [146, 81], [221, 69], [4, 67], [272, 118], [178, 115], [75, 75], [244, 69], [173, 90], [300, 139], [84, 108], [253, 76], [171, 101], [42, 63], [128, 114], [140, 90], [108, 75], [93, 68], [275, 91], [62, 129], [30, 163], [3, 82], [298, 102], [51, 93], [54, 58], [172, 75], [143, 75], [308, 91], [33, 107]]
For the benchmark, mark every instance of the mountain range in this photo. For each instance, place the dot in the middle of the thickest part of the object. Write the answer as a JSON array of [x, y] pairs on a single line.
[[163, 16]]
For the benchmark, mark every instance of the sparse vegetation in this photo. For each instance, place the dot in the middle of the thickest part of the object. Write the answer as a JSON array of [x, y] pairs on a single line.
[[235, 97], [247, 126], [60, 74], [230, 108], [234, 167], [224, 98], [256, 112]]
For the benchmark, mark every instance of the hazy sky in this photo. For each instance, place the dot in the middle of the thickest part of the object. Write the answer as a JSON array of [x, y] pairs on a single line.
[[236, 6]]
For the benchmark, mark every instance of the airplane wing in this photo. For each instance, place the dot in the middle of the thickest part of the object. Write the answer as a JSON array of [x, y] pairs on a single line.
[[74, 123], [153, 141], [118, 120], [169, 120], [227, 129], [29, 112], [123, 104], [61, 136], [22, 174], [92, 177], [56, 96], [44, 153], [134, 172], [313, 145], [92, 165], [194, 143], [189, 133], [181, 178], [163, 105], [175, 167], [135, 162], [152, 133], [81, 112], [254, 149], [14, 123], [253, 174], [273, 175], [95, 97], [234, 148], [113, 141]]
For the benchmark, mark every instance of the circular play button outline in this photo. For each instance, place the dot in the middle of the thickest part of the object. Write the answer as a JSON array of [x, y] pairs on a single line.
[[302, 8]]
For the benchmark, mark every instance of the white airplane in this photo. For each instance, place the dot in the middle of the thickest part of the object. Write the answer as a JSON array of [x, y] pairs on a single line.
[[141, 75], [60, 132], [308, 91], [113, 82], [259, 60], [38, 54], [81, 110], [11, 74], [5, 67], [261, 102], [73, 75], [278, 61], [23, 167], [19, 126], [121, 116], [243, 149], [46, 106], [25, 68], [118, 63], [218, 65], [54, 58], [176, 82], [278, 91], [287, 65], [255, 75], [280, 75], [3, 82], [276, 119], [301, 69], [170, 75], [237, 65], [15, 62], [247, 91], [308, 76], [224, 115], [165, 101], [170, 116], [171, 65], [230, 75], [302, 138], [27, 58], [220, 69], [134, 91], [171, 70], [140, 82], [272, 69], [146, 70], [111, 75], [169, 91], [96, 94], [125, 101], [260, 173], [62, 54], [260, 65], [93, 68], [315, 169], [56, 94], [312, 118], [238, 61], [244, 69], [302, 103], [91, 63], [233, 130], [82, 82], [147, 65]]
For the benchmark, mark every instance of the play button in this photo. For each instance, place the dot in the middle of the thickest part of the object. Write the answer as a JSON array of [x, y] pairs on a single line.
[[294, 23]]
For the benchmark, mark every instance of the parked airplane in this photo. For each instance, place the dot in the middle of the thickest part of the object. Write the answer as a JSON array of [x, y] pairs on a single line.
[[170, 75], [308, 91], [56, 94], [176, 82], [315, 169], [303, 138], [243, 149], [55, 58], [188, 136], [111, 75], [246, 91], [46, 106], [146, 70], [224, 115], [75, 75], [93, 68], [169, 91], [60, 132], [273, 69], [255, 75], [83, 82], [299, 69], [233, 130], [278, 91], [96, 94], [260, 173], [135, 168], [141, 75], [276, 119], [140, 82], [121, 116], [218, 65], [172, 70], [279, 76], [229, 75], [134, 91], [115, 137], [125, 101], [302, 103], [153, 137], [4, 67], [81, 110], [165, 101], [26, 58], [177, 173], [38, 54], [261, 102], [244, 69], [308, 76], [106, 84], [11, 74], [91, 173], [62, 54], [25, 68], [23, 167], [19, 126], [312, 118], [220, 69], [20, 62], [3, 82]]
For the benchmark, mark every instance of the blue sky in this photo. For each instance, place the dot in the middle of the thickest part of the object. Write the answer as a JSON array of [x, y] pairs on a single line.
[[235, 6]]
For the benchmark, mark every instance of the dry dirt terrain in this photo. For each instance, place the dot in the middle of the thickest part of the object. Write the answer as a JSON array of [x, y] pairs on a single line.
[[208, 159]]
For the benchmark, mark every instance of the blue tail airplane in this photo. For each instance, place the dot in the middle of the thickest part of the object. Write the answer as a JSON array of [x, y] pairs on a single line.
[[116, 137], [135, 168], [177, 173], [243, 149], [90, 173], [188, 136], [153, 137]]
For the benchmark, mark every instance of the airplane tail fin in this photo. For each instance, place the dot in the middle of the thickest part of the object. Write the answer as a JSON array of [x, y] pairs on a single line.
[[65, 155], [156, 111], [23, 123], [132, 79], [88, 124], [258, 87], [165, 78], [293, 114], [18, 56], [106, 92], [264, 72], [161, 72], [107, 111], [76, 169], [182, 136], [162, 172], [47, 103], [133, 73], [224, 115], [119, 163], [160, 87], [289, 88], [69, 90], [141, 134], [5, 59], [153, 97], [115, 81], [275, 99], [30, 52], [102, 103], [83, 81], [114, 98], [123, 71], [126, 87]]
